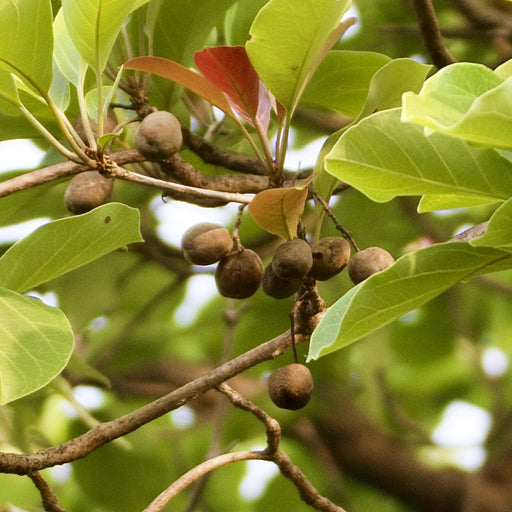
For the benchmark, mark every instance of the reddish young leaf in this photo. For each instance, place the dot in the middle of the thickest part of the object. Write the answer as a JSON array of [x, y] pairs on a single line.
[[229, 68], [185, 77], [278, 210]]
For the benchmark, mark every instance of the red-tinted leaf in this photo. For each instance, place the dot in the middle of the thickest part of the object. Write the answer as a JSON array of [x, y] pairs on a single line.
[[185, 77], [278, 210], [229, 68]]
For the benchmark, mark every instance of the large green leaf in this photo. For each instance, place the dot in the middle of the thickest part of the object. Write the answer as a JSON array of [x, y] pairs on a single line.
[[413, 280], [342, 81], [289, 40], [196, 20], [93, 26], [36, 341], [464, 100], [499, 229], [66, 55], [26, 42], [385, 158], [66, 244]]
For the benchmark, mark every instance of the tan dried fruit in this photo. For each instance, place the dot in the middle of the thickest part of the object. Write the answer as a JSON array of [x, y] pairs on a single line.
[[330, 257], [86, 191], [206, 243], [367, 262], [158, 136], [290, 387], [293, 259], [276, 287], [238, 275]]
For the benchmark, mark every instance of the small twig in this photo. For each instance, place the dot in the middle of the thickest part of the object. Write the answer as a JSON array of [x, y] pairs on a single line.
[[200, 471], [330, 214], [236, 237], [125, 174], [48, 498], [429, 27]]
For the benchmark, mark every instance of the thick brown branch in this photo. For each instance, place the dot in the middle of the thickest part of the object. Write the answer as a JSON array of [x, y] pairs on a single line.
[[104, 433], [230, 160], [431, 33]]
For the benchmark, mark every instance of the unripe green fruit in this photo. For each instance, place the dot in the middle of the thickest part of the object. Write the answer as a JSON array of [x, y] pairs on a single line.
[[367, 262], [158, 136], [276, 287], [238, 274], [206, 243], [293, 259], [86, 191], [290, 387], [330, 257]]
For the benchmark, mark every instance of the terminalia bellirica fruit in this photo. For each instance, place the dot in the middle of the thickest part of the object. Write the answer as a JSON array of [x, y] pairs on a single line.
[[290, 386], [206, 243]]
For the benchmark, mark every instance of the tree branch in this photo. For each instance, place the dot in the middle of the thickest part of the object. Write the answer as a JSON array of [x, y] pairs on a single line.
[[48, 498], [431, 33], [81, 446]]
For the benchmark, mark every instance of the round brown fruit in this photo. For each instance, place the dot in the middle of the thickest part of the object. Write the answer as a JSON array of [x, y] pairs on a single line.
[[292, 259], [330, 257], [276, 287], [290, 387], [206, 243], [368, 262], [238, 274], [158, 136], [86, 191]]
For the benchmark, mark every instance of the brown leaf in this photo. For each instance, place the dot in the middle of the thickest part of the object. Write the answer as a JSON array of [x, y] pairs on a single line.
[[278, 210]]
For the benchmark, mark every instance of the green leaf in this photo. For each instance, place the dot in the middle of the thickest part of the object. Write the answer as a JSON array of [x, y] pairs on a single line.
[[413, 280], [342, 81], [65, 53], [391, 81], [289, 40], [26, 44], [36, 341], [467, 101], [385, 158], [278, 210], [93, 26], [66, 244], [499, 229], [196, 18]]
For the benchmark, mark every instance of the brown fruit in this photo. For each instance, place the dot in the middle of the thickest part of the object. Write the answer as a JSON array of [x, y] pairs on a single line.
[[86, 191], [292, 259], [238, 275], [330, 257], [368, 262], [158, 136], [290, 387], [206, 243], [276, 287]]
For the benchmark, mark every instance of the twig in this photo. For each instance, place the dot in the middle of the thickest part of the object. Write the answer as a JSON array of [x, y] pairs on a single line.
[[49, 500], [307, 491], [330, 214], [104, 433], [431, 33], [199, 471]]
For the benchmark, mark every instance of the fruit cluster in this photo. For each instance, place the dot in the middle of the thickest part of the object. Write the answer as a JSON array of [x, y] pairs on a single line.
[[240, 271]]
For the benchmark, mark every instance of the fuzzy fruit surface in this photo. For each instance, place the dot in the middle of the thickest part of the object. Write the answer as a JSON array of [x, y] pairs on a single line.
[[158, 136], [367, 262], [292, 259], [206, 243], [330, 257], [238, 274], [86, 191], [290, 387], [278, 288]]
